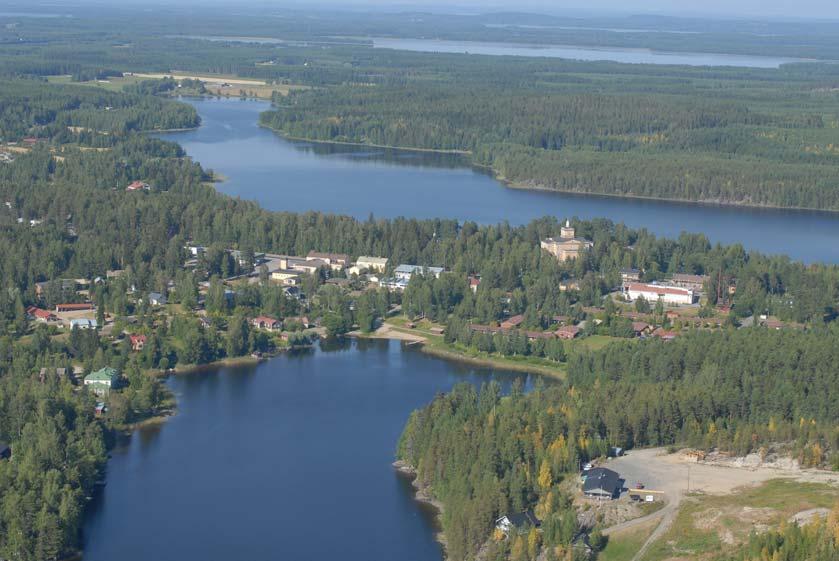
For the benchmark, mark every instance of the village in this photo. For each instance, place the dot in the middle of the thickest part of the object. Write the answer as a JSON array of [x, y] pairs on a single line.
[[662, 309]]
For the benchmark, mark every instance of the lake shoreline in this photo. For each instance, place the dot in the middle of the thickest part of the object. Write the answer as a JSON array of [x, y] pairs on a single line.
[[283, 134], [422, 494], [538, 187], [387, 331]]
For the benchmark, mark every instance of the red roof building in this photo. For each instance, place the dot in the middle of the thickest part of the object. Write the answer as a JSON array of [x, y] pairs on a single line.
[[40, 315], [665, 335], [567, 332], [137, 186], [137, 342], [512, 322], [266, 322], [73, 307]]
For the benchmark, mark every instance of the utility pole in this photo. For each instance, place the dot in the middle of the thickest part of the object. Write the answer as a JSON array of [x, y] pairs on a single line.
[[688, 478]]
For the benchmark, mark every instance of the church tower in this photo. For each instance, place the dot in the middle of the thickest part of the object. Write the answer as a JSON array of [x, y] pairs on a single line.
[[567, 232]]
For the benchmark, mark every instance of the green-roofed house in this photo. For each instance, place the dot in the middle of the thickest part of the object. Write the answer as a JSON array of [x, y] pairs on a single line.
[[102, 380]]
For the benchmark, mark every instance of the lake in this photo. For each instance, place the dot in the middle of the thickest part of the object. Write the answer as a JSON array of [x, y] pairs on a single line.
[[571, 52], [574, 52], [300, 176], [290, 459]]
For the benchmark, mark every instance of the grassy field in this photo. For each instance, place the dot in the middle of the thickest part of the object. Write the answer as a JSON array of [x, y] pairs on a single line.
[[624, 545], [113, 84], [708, 526]]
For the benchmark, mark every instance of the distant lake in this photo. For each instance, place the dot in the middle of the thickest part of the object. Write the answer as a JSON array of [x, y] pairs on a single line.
[[287, 460], [359, 181], [573, 52]]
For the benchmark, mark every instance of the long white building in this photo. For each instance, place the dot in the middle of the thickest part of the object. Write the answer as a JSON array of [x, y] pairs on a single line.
[[654, 292]]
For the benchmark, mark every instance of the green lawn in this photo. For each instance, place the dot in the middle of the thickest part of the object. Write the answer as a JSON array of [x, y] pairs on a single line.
[[623, 546]]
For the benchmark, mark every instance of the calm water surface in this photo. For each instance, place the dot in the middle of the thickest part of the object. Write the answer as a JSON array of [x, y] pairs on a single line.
[[574, 52], [359, 181], [289, 460]]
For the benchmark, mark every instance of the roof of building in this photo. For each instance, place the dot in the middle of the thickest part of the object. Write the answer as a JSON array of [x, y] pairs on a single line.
[[39, 313], [603, 480], [83, 321], [134, 337], [639, 326], [664, 334], [328, 256], [568, 330], [82, 306], [411, 269], [658, 289], [522, 519], [106, 374], [513, 321], [374, 260], [569, 241], [265, 319]]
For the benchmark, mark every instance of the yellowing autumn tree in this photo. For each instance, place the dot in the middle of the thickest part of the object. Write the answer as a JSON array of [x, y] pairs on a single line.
[[545, 478]]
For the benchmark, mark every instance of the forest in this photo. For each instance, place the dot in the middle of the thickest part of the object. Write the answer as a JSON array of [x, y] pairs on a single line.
[[733, 135], [484, 454], [747, 136]]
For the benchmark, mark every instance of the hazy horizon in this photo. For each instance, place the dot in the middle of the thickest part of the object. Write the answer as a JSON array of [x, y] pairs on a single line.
[[752, 9]]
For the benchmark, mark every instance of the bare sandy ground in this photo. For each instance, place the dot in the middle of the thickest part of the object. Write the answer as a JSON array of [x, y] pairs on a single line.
[[674, 476], [209, 79], [388, 332]]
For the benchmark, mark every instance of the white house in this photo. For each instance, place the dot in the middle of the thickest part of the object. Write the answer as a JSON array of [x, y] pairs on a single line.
[[654, 292]]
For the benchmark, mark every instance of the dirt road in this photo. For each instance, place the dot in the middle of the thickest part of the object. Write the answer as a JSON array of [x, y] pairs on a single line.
[[674, 476]]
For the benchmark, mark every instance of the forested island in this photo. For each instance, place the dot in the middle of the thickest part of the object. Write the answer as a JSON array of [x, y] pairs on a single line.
[[98, 216]]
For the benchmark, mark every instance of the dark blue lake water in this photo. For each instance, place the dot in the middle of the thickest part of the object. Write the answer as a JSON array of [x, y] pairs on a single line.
[[298, 176], [290, 459]]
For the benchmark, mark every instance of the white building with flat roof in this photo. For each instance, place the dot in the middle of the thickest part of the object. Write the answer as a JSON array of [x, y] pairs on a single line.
[[405, 272], [655, 292]]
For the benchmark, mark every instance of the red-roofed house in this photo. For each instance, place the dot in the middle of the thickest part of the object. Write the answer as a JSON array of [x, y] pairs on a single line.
[[512, 322], [266, 322], [41, 315], [567, 332], [640, 327], [665, 335], [137, 342], [474, 283], [138, 186]]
